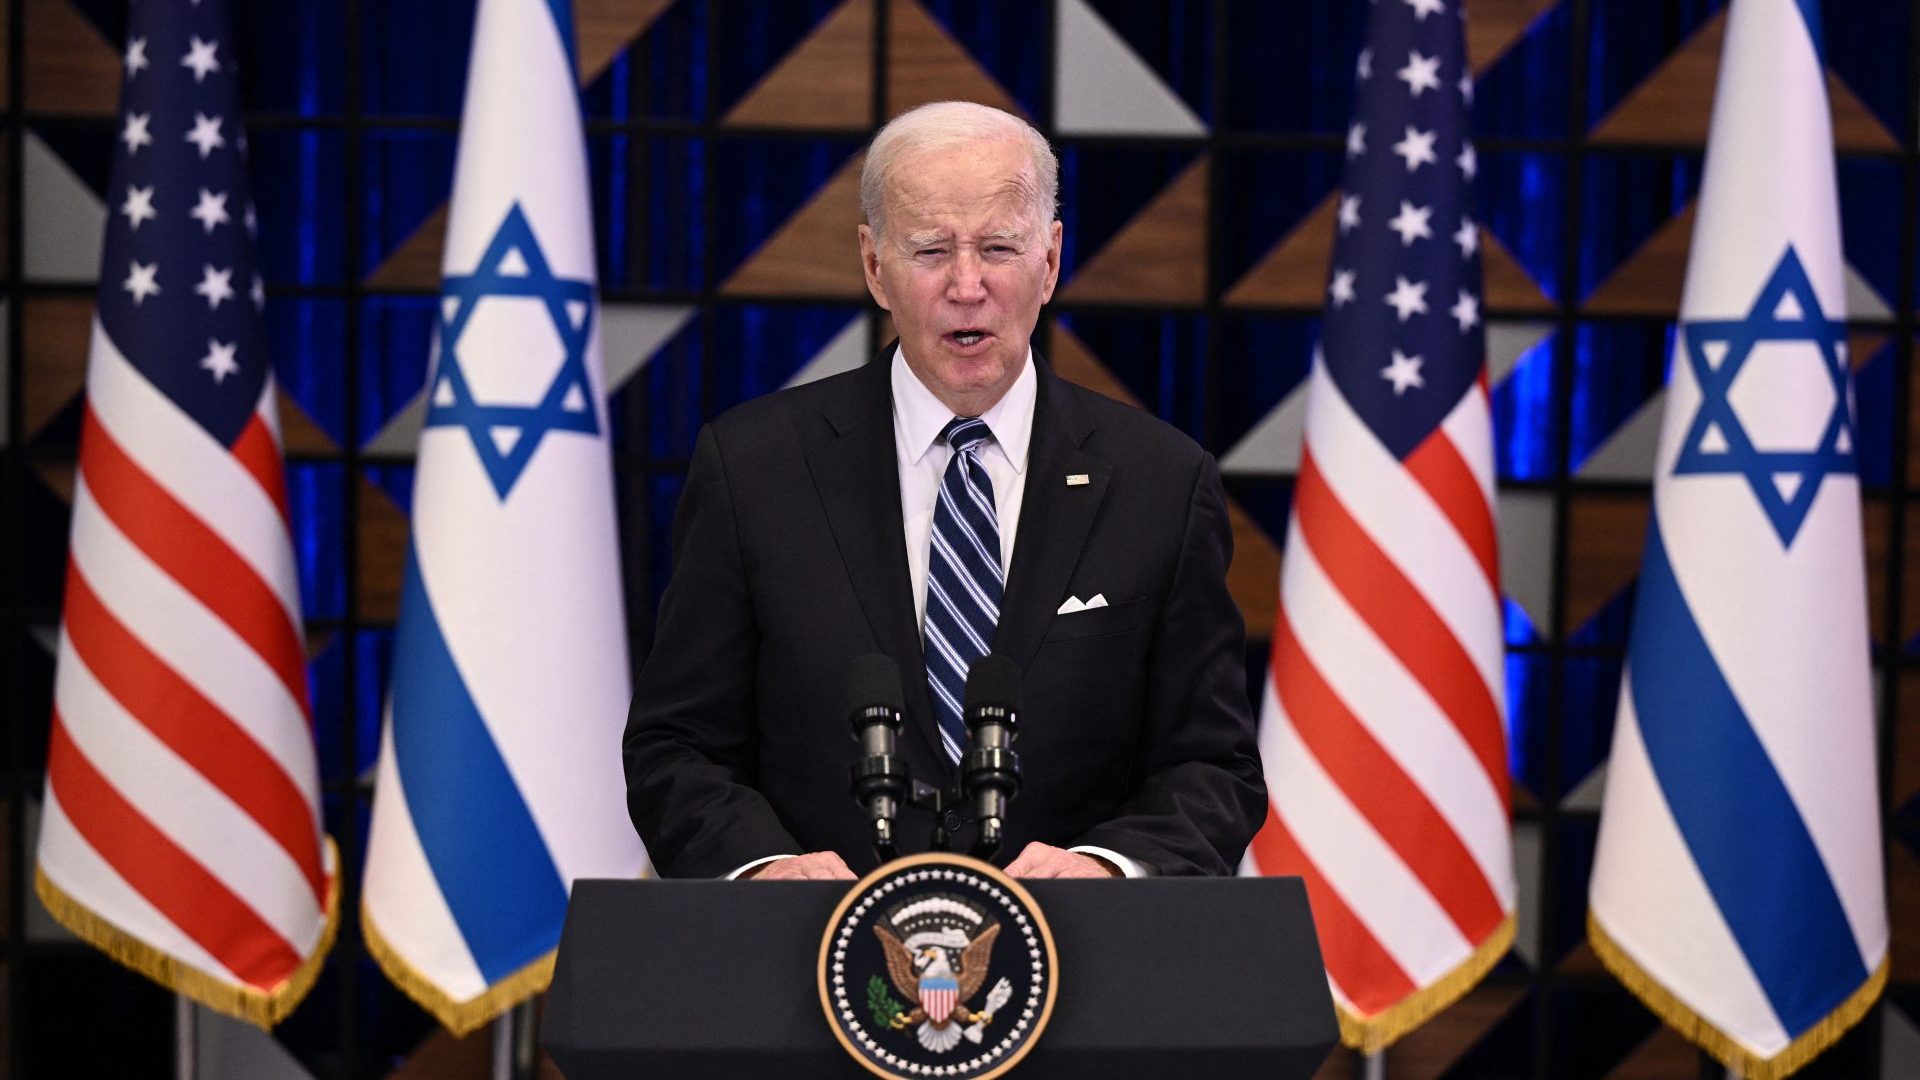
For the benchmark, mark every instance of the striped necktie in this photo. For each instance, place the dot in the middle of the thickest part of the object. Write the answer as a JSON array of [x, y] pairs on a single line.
[[963, 578]]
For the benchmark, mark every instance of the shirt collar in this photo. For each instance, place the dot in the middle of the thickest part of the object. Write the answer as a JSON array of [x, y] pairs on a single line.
[[919, 417]]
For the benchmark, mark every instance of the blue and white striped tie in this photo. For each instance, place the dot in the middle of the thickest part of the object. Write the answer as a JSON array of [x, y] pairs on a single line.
[[963, 578]]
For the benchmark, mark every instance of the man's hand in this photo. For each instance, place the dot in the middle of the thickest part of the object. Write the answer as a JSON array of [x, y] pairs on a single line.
[[1046, 861], [817, 866]]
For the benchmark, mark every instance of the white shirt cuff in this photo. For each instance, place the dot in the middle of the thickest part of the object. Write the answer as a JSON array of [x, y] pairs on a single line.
[[1127, 867], [738, 870]]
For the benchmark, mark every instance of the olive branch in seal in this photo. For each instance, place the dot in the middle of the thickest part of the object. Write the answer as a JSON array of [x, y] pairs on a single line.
[[882, 1003]]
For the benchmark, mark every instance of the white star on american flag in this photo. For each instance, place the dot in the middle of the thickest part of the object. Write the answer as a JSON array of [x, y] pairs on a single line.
[[1408, 298], [1424, 8], [1416, 148], [1341, 289], [1468, 237], [216, 286], [211, 210], [142, 280], [1412, 223], [1356, 140], [1349, 212], [136, 60], [219, 359], [139, 206], [135, 134], [1404, 373], [206, 134], [1466, 311], [1421, 74], [1468, 161], [200, 58]]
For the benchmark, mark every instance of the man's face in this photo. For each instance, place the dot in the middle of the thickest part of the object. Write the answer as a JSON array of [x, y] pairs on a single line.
[[964, 266]]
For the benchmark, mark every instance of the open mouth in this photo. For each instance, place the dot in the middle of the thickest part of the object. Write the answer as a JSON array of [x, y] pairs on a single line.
[[968, 338]]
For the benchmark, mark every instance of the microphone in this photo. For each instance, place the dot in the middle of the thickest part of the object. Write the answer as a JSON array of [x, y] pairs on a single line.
[[990, 770], [874, 705]]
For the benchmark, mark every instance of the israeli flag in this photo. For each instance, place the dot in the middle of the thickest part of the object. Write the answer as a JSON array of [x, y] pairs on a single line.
[[499, 779], [1737, 889]]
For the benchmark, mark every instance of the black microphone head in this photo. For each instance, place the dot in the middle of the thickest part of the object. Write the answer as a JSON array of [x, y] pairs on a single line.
[[993, 682], [874, 679]]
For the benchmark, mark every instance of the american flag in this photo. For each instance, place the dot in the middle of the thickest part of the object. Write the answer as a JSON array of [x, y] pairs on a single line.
[[1381, 726], [181, 831]]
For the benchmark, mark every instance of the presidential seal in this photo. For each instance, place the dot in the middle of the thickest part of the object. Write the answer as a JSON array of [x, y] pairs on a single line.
[[937, 965]]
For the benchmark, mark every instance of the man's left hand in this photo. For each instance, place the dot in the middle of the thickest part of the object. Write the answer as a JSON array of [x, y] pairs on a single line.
[[1046, 861]]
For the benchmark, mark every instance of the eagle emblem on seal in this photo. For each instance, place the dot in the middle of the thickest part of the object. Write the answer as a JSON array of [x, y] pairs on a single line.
[[938, 950]]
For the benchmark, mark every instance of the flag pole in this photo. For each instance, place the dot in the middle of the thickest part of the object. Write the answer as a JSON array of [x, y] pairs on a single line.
[[1373, 1066], [513, 1043], [186, 1047]]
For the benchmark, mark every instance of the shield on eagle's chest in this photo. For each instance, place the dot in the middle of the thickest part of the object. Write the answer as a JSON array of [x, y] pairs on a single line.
[[938, 994]]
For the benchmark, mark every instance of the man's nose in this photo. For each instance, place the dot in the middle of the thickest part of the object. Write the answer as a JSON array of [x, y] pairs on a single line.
[[966, 283]]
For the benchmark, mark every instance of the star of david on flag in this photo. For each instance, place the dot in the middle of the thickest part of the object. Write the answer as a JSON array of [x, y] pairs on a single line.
[[505, 433], [1721, 441]]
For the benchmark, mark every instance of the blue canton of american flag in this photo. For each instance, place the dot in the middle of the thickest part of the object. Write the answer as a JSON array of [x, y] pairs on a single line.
[[1403, 335], [1382, 725], [180, 292], [181, 828]]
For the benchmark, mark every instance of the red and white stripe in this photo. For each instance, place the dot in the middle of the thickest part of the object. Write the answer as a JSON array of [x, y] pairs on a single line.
[[1382, 723], [182, 790]]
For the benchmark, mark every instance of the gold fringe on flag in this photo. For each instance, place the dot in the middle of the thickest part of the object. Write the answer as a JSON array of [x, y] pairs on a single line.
[[1701, 1032], [1372, 1034], [459, 1017], [262, 1008]]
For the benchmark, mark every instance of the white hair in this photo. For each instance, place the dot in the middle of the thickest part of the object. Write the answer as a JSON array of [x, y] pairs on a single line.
[[942, 125]]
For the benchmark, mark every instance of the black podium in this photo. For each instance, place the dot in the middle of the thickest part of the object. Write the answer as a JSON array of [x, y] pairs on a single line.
[[1211, 978]]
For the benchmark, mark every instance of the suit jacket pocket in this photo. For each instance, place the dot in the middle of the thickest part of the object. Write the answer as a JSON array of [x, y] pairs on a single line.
[[1122, 618]]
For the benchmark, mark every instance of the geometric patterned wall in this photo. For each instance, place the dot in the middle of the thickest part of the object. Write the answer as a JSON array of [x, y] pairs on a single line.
[[1201, 141]]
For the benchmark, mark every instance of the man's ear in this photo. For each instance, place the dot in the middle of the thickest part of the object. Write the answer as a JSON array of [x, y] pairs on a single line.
[[870, 266], [1054, 234]]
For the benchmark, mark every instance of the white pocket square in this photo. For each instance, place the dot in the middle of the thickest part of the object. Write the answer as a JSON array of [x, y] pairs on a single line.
[[1074, 604]]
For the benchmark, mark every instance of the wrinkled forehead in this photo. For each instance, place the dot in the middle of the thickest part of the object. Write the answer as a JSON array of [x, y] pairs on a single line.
[[983, 188]]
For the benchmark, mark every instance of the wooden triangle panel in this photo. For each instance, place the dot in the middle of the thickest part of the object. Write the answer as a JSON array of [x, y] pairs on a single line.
[[382, 550], [415, 264], [1674, 105], [1508, 285], [1254, 576], [1605, 532], [1294, 272], [1160, 257], [59, 477], [604, 29], [1649, 281], [71, 68], [815, 252], [925, 63], [1494, 26], [826, 82], [1903, 902], [1665, 1053], [55, 335], [299, 434]]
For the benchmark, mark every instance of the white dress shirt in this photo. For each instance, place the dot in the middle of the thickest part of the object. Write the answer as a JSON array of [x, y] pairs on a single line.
[[918, 419]]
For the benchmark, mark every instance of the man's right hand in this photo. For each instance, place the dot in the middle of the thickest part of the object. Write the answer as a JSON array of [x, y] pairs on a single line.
[[815, 866]]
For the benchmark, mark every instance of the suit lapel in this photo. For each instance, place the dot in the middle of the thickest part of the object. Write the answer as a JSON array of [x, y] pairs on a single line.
[[1054, 518], [859, 486]]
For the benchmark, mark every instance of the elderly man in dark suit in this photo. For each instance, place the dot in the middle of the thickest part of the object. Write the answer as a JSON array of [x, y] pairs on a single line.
[[950, 499]]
